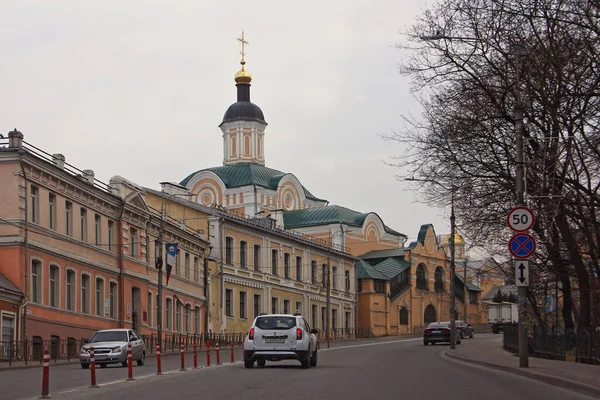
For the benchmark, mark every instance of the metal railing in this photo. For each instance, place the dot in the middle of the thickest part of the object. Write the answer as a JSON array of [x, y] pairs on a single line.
[[33, 350], [578, 344]]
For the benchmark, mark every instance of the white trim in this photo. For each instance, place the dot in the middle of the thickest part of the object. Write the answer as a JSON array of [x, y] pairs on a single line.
[[12, 315]]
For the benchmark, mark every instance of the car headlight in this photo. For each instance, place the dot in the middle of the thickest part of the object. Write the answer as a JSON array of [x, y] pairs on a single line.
[[84, 351], [117, 349]]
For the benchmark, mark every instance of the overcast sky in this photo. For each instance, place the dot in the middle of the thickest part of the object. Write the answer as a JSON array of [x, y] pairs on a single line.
[[138, 89]]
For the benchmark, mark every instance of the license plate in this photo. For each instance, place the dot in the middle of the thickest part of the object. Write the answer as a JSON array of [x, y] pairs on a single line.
[[274, 340], [436, 331], [100, 357]]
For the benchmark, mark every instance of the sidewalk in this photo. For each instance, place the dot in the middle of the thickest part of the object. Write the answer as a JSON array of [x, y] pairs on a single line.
[[488, 352]]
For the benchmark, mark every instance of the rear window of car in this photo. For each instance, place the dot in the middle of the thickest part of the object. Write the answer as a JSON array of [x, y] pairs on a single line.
[[438, 325], [275, 322]]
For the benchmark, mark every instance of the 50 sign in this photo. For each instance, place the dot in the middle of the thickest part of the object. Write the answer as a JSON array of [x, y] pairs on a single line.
[[520, 219]]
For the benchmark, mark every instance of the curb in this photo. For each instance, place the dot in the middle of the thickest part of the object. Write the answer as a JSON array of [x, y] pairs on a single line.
[[545, 378]]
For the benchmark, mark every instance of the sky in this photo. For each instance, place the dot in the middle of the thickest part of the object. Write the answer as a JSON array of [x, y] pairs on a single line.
[[138, 89]]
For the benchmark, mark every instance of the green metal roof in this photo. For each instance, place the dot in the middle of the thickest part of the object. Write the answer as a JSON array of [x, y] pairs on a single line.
[[327, 215], [247, 174], [470, 286], [385, 270], [397, 252], [421, 236]]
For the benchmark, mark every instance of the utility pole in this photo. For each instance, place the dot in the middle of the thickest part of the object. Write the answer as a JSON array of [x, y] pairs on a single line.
[[520, 183], [465, 280], [159, 264], [327, 319], [452, 282]]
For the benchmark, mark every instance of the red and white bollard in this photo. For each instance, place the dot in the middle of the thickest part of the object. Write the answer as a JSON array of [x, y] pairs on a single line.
[[195, 356], [46, 376], [182, 355], [218, 356], [93, 368], [207, 353], [129, 363], [232, 357], [158, 361]]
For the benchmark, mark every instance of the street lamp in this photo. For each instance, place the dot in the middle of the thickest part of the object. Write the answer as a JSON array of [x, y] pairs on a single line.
[[159, 260], [520, 187], [452, 258]]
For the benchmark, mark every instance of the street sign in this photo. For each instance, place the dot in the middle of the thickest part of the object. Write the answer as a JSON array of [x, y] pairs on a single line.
[[521, 245], [522, 273], [520, 219]]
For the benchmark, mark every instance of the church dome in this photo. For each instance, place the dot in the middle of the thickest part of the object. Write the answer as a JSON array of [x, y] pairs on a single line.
[[243, 111]]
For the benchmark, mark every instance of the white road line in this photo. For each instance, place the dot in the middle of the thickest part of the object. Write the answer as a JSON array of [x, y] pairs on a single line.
[[370, 344]]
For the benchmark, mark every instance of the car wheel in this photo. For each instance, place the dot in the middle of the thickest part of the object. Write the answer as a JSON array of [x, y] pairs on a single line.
[[142, 360], [248, 363], [458, 341], [124, 364], [103, 365], [433, 343], [472, 335], [306, 363], [261, 363], [425, 343], [313, 359], [85, 366]]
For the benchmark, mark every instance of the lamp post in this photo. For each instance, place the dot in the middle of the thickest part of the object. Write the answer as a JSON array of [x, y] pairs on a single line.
[[520, 187], [158, 252], [452, 259]]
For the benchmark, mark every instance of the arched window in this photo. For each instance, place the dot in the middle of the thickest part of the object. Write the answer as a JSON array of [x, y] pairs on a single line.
[[246, 145], [430, 315], [233, 147], [421, 277], [403, 316], [439, 279]]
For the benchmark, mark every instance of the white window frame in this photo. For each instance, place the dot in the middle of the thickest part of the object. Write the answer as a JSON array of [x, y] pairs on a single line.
[[40, 277], [100, 306], [82, 298], [72, 290], [114, 303], [57, 297]]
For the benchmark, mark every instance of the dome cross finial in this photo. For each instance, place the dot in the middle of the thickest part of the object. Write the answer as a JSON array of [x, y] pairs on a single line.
[[242, 75], [243, 51]]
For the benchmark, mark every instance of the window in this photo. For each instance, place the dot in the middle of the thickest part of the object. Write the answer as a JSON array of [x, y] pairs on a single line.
[[298, 307], [347, 323], [83, 224], [379, 286], [52, 211], [243, 302], [274, 260], [359, 285], [35, 204], [403, 316], [299, 268], [421, 279], [178, 317], [313, 272], [256, 257], [439, 280], [256, 305], [54, 286], [112, 310], [188, 318], [229, 250], [133, 242], [347, 280], [36, 281], [324, 274], [323, 317], [228, 300], [97, 229], [111, 236], [85, 294], [197, 320], [473, 296], [168, 313], [314, 315], [334, 277], [150, 296], [70, 290], [177, 258], [196, 269], [100, 297], [286, 306], [286, 265], [69, 218], [274, 305], [243, 254], [187, 266], [334, 319]]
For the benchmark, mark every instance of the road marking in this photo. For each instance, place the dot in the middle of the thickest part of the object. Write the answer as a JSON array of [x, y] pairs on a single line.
[[370, 344]]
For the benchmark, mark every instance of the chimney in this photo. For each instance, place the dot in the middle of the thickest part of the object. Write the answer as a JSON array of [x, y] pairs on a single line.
[[58, 160], [88, 175], [15, 139]]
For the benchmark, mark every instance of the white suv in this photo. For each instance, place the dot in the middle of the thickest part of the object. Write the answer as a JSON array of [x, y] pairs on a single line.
[[276, 337]]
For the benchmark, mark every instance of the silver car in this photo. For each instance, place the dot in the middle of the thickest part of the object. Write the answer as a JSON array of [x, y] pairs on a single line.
[[110, 347]]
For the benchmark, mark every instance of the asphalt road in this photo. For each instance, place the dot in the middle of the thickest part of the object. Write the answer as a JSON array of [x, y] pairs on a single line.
[[380, 369]]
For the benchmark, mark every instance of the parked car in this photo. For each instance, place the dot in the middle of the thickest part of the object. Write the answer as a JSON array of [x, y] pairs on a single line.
[[439, 332], [276, 337], [110, 347], [466, 330]]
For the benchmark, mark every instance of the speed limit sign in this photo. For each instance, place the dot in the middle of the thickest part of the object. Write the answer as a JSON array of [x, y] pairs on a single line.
[[520, 219]]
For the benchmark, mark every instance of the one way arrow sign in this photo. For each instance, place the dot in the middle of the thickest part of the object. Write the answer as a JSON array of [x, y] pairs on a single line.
[[522, 273]]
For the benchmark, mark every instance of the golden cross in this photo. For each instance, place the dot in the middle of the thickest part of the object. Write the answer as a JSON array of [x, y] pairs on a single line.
[[244, 43]]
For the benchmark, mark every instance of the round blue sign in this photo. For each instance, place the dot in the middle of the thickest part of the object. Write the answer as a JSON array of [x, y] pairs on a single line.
[[522, 245]]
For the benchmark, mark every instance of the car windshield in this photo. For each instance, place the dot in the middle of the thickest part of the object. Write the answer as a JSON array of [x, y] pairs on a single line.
[[109, 336], [275, 322]]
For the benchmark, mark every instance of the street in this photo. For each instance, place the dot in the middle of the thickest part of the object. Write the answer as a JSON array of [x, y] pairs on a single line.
[[383, 368]]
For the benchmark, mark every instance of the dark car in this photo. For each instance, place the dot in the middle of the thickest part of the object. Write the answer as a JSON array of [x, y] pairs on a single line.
[[439, 332], [466, 329]]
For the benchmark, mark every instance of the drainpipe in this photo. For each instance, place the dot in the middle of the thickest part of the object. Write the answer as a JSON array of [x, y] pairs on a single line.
[[255, 201], [221, 278]]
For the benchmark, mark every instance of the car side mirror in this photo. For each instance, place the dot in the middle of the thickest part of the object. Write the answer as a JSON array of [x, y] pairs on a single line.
[[315, 331]]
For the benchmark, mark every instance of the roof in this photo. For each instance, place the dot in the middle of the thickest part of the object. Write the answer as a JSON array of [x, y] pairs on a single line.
[[470, 286], [247, 174], [508, 289], [421, 236], [243, 111], [327, 215], [397, 252], [385, 270], [8, 286]]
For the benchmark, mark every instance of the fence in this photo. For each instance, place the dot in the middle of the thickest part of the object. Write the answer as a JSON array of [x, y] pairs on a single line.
[[33, 350], [579, 344]]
